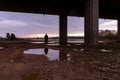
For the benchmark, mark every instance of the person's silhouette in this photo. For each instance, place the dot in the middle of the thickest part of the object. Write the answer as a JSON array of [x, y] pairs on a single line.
[[46, 38]]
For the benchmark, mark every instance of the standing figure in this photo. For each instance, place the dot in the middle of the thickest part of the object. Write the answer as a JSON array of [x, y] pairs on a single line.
[[46, 38]]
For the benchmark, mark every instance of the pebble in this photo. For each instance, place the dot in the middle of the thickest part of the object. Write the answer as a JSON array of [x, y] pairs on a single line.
[[11, 61]]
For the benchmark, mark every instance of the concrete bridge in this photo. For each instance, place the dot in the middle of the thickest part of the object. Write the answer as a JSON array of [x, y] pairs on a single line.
[[92, 10]]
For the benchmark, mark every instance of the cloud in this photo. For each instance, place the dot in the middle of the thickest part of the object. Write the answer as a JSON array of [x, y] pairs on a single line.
[[27, 23], [12, 23], [75, 25], [110, 25]]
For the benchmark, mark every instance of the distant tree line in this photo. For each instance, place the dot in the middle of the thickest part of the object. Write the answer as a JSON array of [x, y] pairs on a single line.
[[10, 36], [108, 34]]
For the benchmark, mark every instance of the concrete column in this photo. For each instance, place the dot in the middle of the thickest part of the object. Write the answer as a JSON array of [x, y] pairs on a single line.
[[118, 30], [63, 30], [91, 22]]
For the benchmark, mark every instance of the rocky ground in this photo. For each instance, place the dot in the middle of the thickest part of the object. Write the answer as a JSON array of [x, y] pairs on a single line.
[[80, 64]]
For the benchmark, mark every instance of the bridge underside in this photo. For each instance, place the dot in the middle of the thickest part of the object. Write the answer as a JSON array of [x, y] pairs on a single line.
[[107, 8], [90, 9]]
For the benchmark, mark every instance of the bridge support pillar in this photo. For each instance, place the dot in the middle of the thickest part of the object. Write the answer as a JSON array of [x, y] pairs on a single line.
[[118, 30], [91, 22], [63, 30]]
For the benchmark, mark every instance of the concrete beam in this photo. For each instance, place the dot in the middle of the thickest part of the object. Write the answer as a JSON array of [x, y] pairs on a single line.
[[63, 29], [91, 22]]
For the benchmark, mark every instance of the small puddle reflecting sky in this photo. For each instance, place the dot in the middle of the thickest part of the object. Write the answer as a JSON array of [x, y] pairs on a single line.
[[50, 53], [1, 47], [105, 50]]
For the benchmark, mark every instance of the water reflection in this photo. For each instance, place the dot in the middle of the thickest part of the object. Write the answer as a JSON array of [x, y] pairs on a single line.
[[46, 51], [51, 54], [1, 47], [62, 55], [105, 50]]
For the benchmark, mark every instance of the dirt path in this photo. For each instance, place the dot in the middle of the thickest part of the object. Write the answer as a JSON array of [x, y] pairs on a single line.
[[80, 64]]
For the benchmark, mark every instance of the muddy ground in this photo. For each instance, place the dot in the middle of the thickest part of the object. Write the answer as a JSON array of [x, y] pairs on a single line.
[[81, 64]]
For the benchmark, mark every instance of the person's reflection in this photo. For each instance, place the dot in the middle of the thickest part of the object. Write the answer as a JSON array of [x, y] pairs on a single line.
[[46, 51], [62, 55]]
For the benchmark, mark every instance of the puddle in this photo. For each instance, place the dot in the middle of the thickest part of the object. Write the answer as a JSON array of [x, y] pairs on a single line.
[[75, 49], [68, 57], [78, 44], [51, 54], [104, 50], [53, 44], [81, 50], [1, 47], [37, 42]]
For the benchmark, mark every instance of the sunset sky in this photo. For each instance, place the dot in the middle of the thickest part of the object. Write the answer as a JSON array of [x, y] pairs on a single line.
[[36, 25]]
